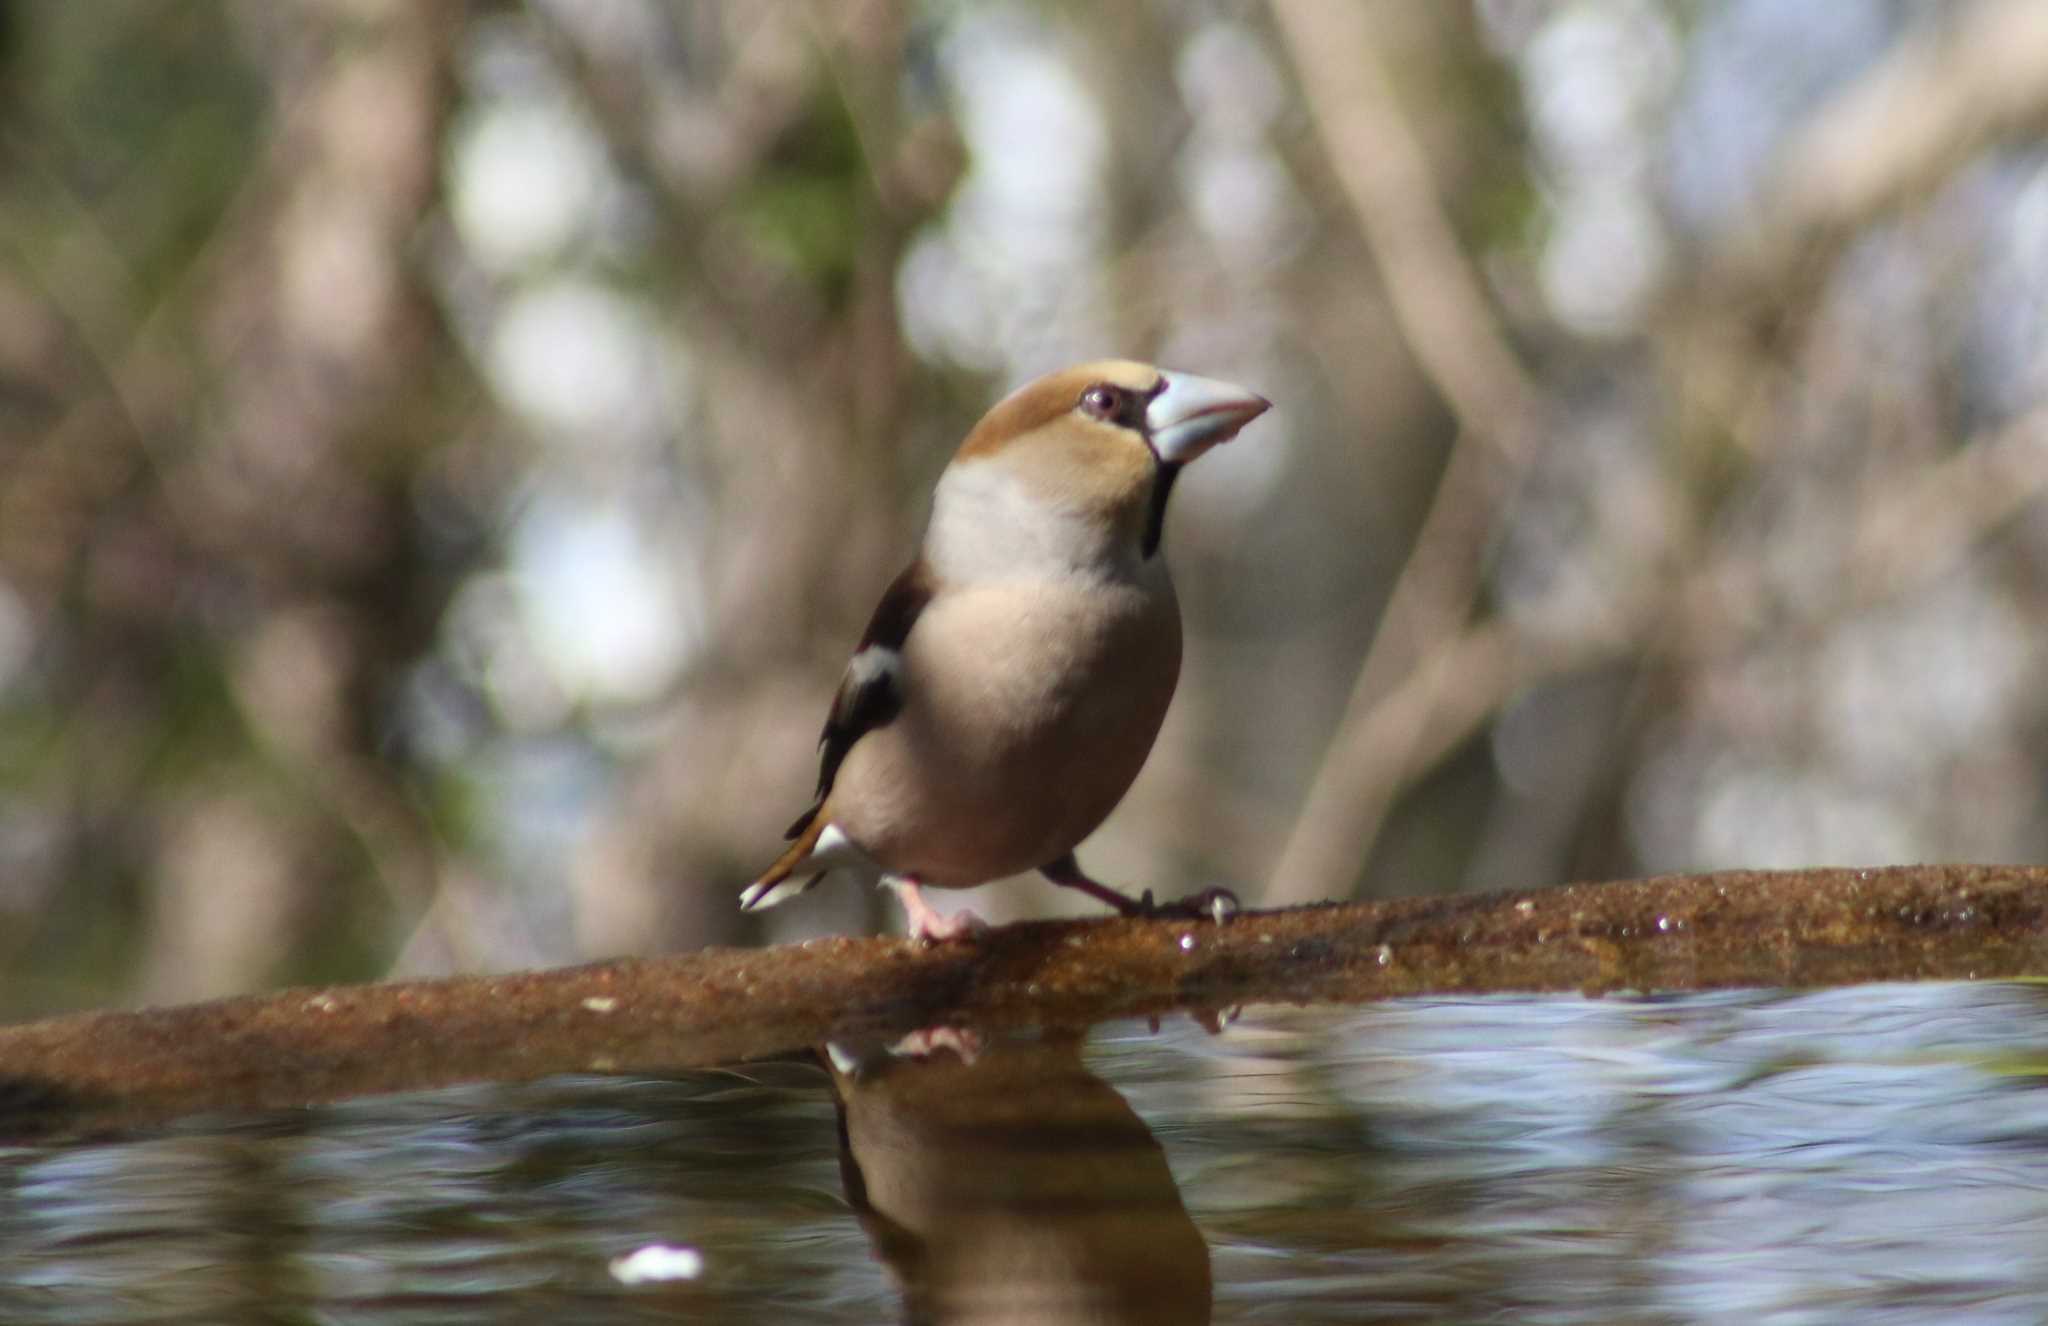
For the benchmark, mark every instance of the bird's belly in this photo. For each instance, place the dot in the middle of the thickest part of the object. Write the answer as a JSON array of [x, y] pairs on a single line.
[[1028, 713]]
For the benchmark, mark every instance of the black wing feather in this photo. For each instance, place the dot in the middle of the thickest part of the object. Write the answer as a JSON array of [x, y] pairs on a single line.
[[864, 703]]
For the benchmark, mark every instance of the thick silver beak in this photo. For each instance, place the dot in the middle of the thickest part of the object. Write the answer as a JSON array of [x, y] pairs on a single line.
[[1193, 414]]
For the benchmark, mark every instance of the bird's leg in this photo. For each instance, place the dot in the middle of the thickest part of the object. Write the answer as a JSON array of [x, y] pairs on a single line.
[[1216, 904], [1067, 872], [926, 923]]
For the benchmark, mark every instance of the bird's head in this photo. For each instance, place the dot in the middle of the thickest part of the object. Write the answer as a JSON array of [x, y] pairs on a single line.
[[1081, 461]]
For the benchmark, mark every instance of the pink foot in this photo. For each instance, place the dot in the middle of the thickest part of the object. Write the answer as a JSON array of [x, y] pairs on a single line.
[[925, 922], [964, 1042]]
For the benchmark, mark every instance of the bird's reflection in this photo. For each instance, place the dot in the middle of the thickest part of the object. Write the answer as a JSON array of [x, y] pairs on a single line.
[[1001, 1182]]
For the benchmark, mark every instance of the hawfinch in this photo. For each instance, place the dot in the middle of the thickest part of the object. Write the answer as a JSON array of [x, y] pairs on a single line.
[[1016, 1188], [1013, 678]]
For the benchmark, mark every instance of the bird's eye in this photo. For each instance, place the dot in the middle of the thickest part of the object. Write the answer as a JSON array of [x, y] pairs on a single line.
[[1102, 400]]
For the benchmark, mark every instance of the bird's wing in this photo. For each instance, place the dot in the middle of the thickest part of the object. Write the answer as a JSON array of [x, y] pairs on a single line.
[[870, 693]]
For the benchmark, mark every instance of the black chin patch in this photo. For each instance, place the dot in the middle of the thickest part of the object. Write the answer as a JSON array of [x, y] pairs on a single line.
[[1155, 514]]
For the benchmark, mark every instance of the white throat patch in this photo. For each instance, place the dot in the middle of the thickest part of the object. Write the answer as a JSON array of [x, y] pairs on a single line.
[[987, 524]]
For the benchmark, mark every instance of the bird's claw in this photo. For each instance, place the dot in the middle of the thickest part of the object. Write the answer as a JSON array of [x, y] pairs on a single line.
[[927, 924], [964, 1042], [1214, 1020], [932, 928], [1217, 904]]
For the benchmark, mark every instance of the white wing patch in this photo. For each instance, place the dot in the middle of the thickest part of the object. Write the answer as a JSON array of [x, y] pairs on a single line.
[[873, 664], [834, 849]]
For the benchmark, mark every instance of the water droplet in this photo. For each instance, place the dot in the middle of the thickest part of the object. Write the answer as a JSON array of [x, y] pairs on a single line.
[[1386, 955], [657, 1262], [1664, 923], [1187, 943]]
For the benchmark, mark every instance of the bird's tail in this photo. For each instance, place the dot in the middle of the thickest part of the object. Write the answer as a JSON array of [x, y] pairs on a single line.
[[777, 883]]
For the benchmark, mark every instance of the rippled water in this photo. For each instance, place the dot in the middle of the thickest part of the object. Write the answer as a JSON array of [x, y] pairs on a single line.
[[1869, 1155]]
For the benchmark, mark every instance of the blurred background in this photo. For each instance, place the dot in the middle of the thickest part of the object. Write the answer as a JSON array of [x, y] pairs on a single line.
[[447, 450]]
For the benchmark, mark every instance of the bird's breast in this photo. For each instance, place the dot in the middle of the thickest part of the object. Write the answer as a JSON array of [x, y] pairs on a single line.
[[1029, 709]]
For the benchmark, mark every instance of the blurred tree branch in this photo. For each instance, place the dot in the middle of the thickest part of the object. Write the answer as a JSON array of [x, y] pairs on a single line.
[[1429, 681], [308, 340], [1448, 322], [1903, 541], [213, 525], [1977, 75]]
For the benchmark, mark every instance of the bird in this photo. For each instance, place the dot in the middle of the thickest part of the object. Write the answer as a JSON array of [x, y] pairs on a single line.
[[1011, 681], [1004, 1183]]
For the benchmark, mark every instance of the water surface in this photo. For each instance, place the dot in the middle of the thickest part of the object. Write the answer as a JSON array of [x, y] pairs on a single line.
[[1874, 1154]]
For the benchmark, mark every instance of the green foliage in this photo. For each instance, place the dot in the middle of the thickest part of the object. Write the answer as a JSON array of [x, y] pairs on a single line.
[[802, 210]]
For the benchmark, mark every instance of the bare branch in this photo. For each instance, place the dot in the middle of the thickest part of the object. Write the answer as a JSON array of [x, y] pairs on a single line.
[[1789, 928], [1443, 310], [1912, 120], [1447, 322]]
